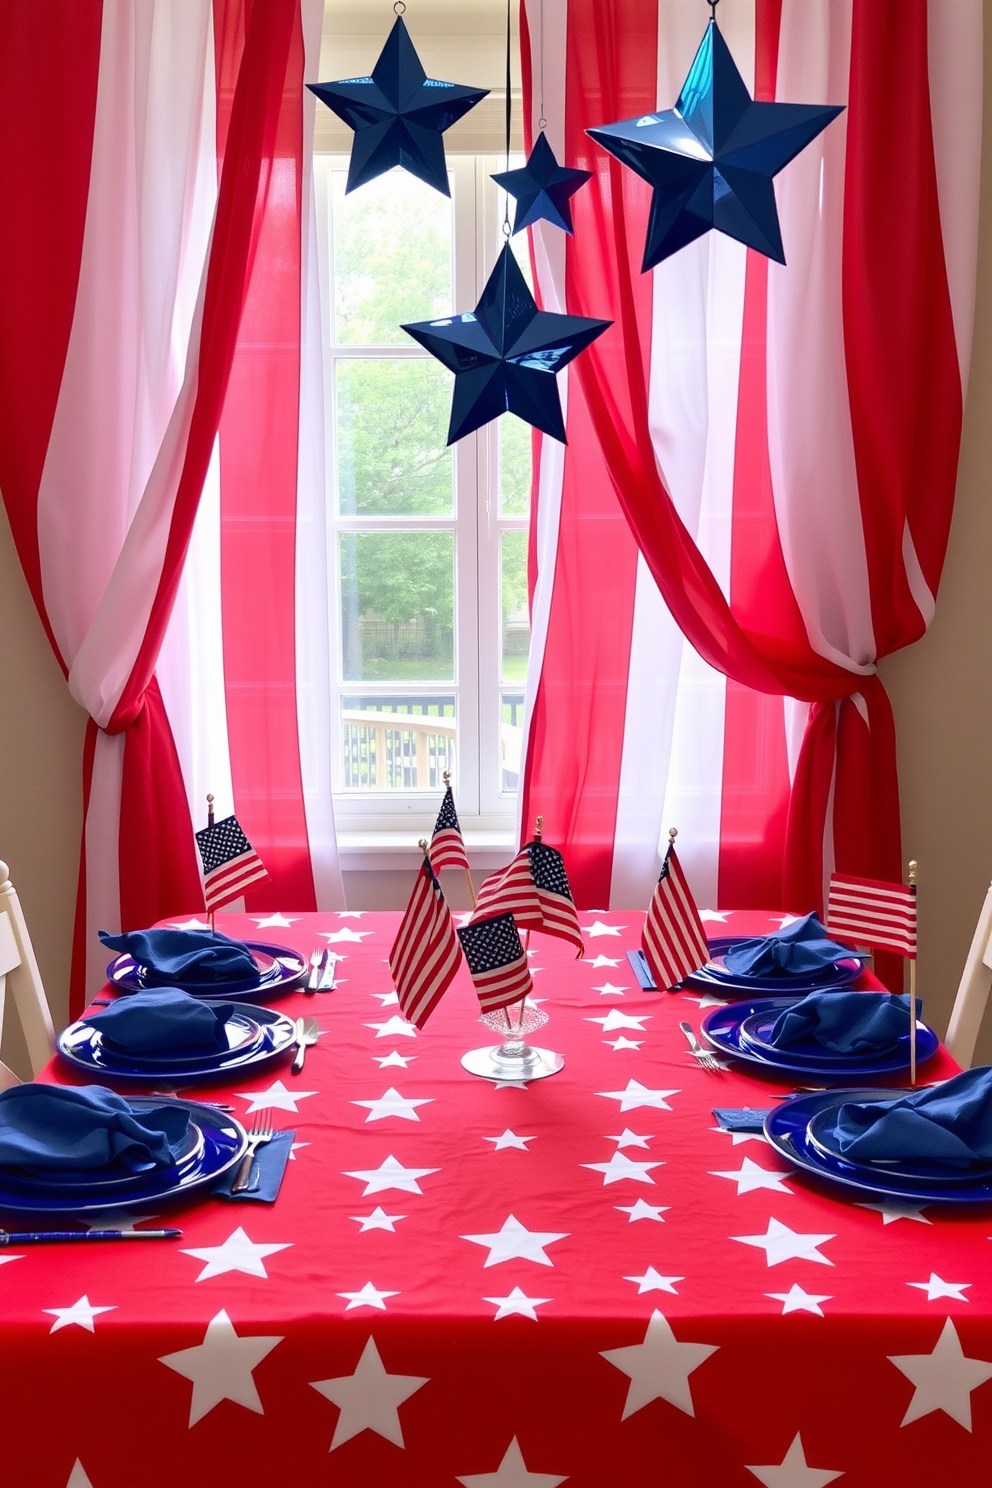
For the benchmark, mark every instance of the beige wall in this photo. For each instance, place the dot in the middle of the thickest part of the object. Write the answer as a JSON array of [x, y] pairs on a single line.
[[941, 691]]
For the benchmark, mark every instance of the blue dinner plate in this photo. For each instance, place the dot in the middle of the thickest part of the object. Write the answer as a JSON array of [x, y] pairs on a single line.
[[787, 1129], [217, 1142], [257, 1035], [722, 1029], [280, 969], [756, 1031], [822, 1137], [715, 977]]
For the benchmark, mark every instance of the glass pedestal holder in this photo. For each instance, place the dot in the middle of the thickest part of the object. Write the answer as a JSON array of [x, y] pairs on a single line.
[[514, 1059]]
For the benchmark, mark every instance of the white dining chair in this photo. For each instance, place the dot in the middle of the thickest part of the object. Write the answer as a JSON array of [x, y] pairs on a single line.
[[19, 975], [973, 991]]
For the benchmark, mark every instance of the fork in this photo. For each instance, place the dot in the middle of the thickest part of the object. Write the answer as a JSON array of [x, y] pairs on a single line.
[[316, 963], [306, 1034], [259, 1134], [706, 1060]]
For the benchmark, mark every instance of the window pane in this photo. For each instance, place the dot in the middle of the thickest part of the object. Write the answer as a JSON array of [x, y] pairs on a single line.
[[511, 737], [397, 605], [392, 258], [397, 743], [514, 466], [391, 422], [515, 618]]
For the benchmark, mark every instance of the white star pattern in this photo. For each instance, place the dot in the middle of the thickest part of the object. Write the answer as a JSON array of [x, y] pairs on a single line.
[[377, 1220], [392, 1027], [275, 922], [627, 1138], [369, 1296], [796, 1300], [750, 1175], [659, 1368], [387, 999], [512, 1473], [597, 961], [351, 914], [508, 1139], [6, 1259], [713, 914], [794, 1471], [391, 1174], [652, 1282], [739, 1137], [394, 1058], [598, 928], [193, 924], [943, 1379], [706, 1001], [78, 1478], [936, 1288], [620, 1167], [623, 1043], [338, 937], [393, 1104], [636, 1095], [609, 990], [782, 1244], [294, 1148], [80, 1315], [615, 1019], [113, 1219], [276, 1098], [237, 1253], [893, 1209], [516, 1304], [641, 1210], [514, 1242], [221, 1367], [509, 1084], [369, 1399]]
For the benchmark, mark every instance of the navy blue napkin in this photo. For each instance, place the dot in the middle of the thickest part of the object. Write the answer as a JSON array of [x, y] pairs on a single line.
[[193, 957], [845, 1022], [267, 1173], [741, 1118], [63, 1128], [164, 1021], [802, 946], [950, 1124]]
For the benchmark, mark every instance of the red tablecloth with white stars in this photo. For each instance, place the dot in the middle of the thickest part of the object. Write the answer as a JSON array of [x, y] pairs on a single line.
[[582, 1281]]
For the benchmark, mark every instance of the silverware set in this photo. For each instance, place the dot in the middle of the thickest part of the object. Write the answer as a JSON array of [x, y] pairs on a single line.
[[259, 1133], [323, 970], [705, 1059]]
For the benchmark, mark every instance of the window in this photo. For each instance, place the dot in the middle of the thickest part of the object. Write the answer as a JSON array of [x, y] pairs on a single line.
[[429, 612]]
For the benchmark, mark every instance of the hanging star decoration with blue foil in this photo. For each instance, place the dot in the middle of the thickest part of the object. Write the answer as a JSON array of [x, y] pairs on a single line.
[[505, 355], [712, 157], [542, 189], [398, 114]]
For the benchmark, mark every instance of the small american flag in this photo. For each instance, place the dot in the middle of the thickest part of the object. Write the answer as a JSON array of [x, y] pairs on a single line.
[[447, 847], [425, 953], [534, 889], [497, 961], [230, 863], [673, 939], [871, 912]]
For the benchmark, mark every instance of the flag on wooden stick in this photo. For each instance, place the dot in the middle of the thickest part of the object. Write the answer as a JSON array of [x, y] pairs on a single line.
[[673, 939], [497, 961], [425, 953], [871, 912], [447, 846], [534, 889], [230, 863]]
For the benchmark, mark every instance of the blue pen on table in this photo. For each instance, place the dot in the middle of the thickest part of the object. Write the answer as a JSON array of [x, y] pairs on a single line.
[[40, 1237]]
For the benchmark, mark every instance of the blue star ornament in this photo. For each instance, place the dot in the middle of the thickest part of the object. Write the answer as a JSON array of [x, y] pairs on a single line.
[[506, 353], [711, 158], [543, 188], [398, 114]]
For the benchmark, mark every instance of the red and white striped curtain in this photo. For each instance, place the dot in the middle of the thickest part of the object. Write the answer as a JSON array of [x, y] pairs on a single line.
[[761, 459], [152, 168]]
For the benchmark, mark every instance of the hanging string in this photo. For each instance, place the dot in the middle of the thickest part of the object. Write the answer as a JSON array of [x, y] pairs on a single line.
[[506, 195], [712, 5], [542, 122]]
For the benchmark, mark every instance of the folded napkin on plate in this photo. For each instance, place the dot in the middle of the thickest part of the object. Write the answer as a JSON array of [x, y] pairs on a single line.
[[163, 1021], [846, 1022], [190, 956], [65, 1128], [950, 1124], [267, 1173], [801, 946]]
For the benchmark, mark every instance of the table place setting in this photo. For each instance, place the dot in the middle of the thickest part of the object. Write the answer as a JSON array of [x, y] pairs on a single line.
[[204, 963]]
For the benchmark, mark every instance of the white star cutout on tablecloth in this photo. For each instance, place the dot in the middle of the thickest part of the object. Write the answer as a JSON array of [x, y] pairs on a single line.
[[782, 1244], [221, 1367], [598, 928], [627, 1138], [351, 914], [796, 1300], [620, 1042], [944, 1379], [80, 1314], [275, 921], [394, 1058], [513, 1242], [893, 1209], [509, 1084], [276, 1098], [641, 1210], [193, 924], [338, 937], [609, 990], [615, 1019], [713, 914], [369, 1399], [391, 1174], [377, 1220], [750, 1175], [597, 961], [512, 1473], [237, 1253], [508, 1139], [659, 1368], [620, 1167], [113, 1219], [706, 1001], [517, 1303], [387, 999], [295, 1147], [636, 1095], [393, 1104], [789, 919], [78, 1478], [369, 1296], [652, 1282], [794, 1471], [739, 1137], [5, 1260], [393, 1026], [936, 1288]]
